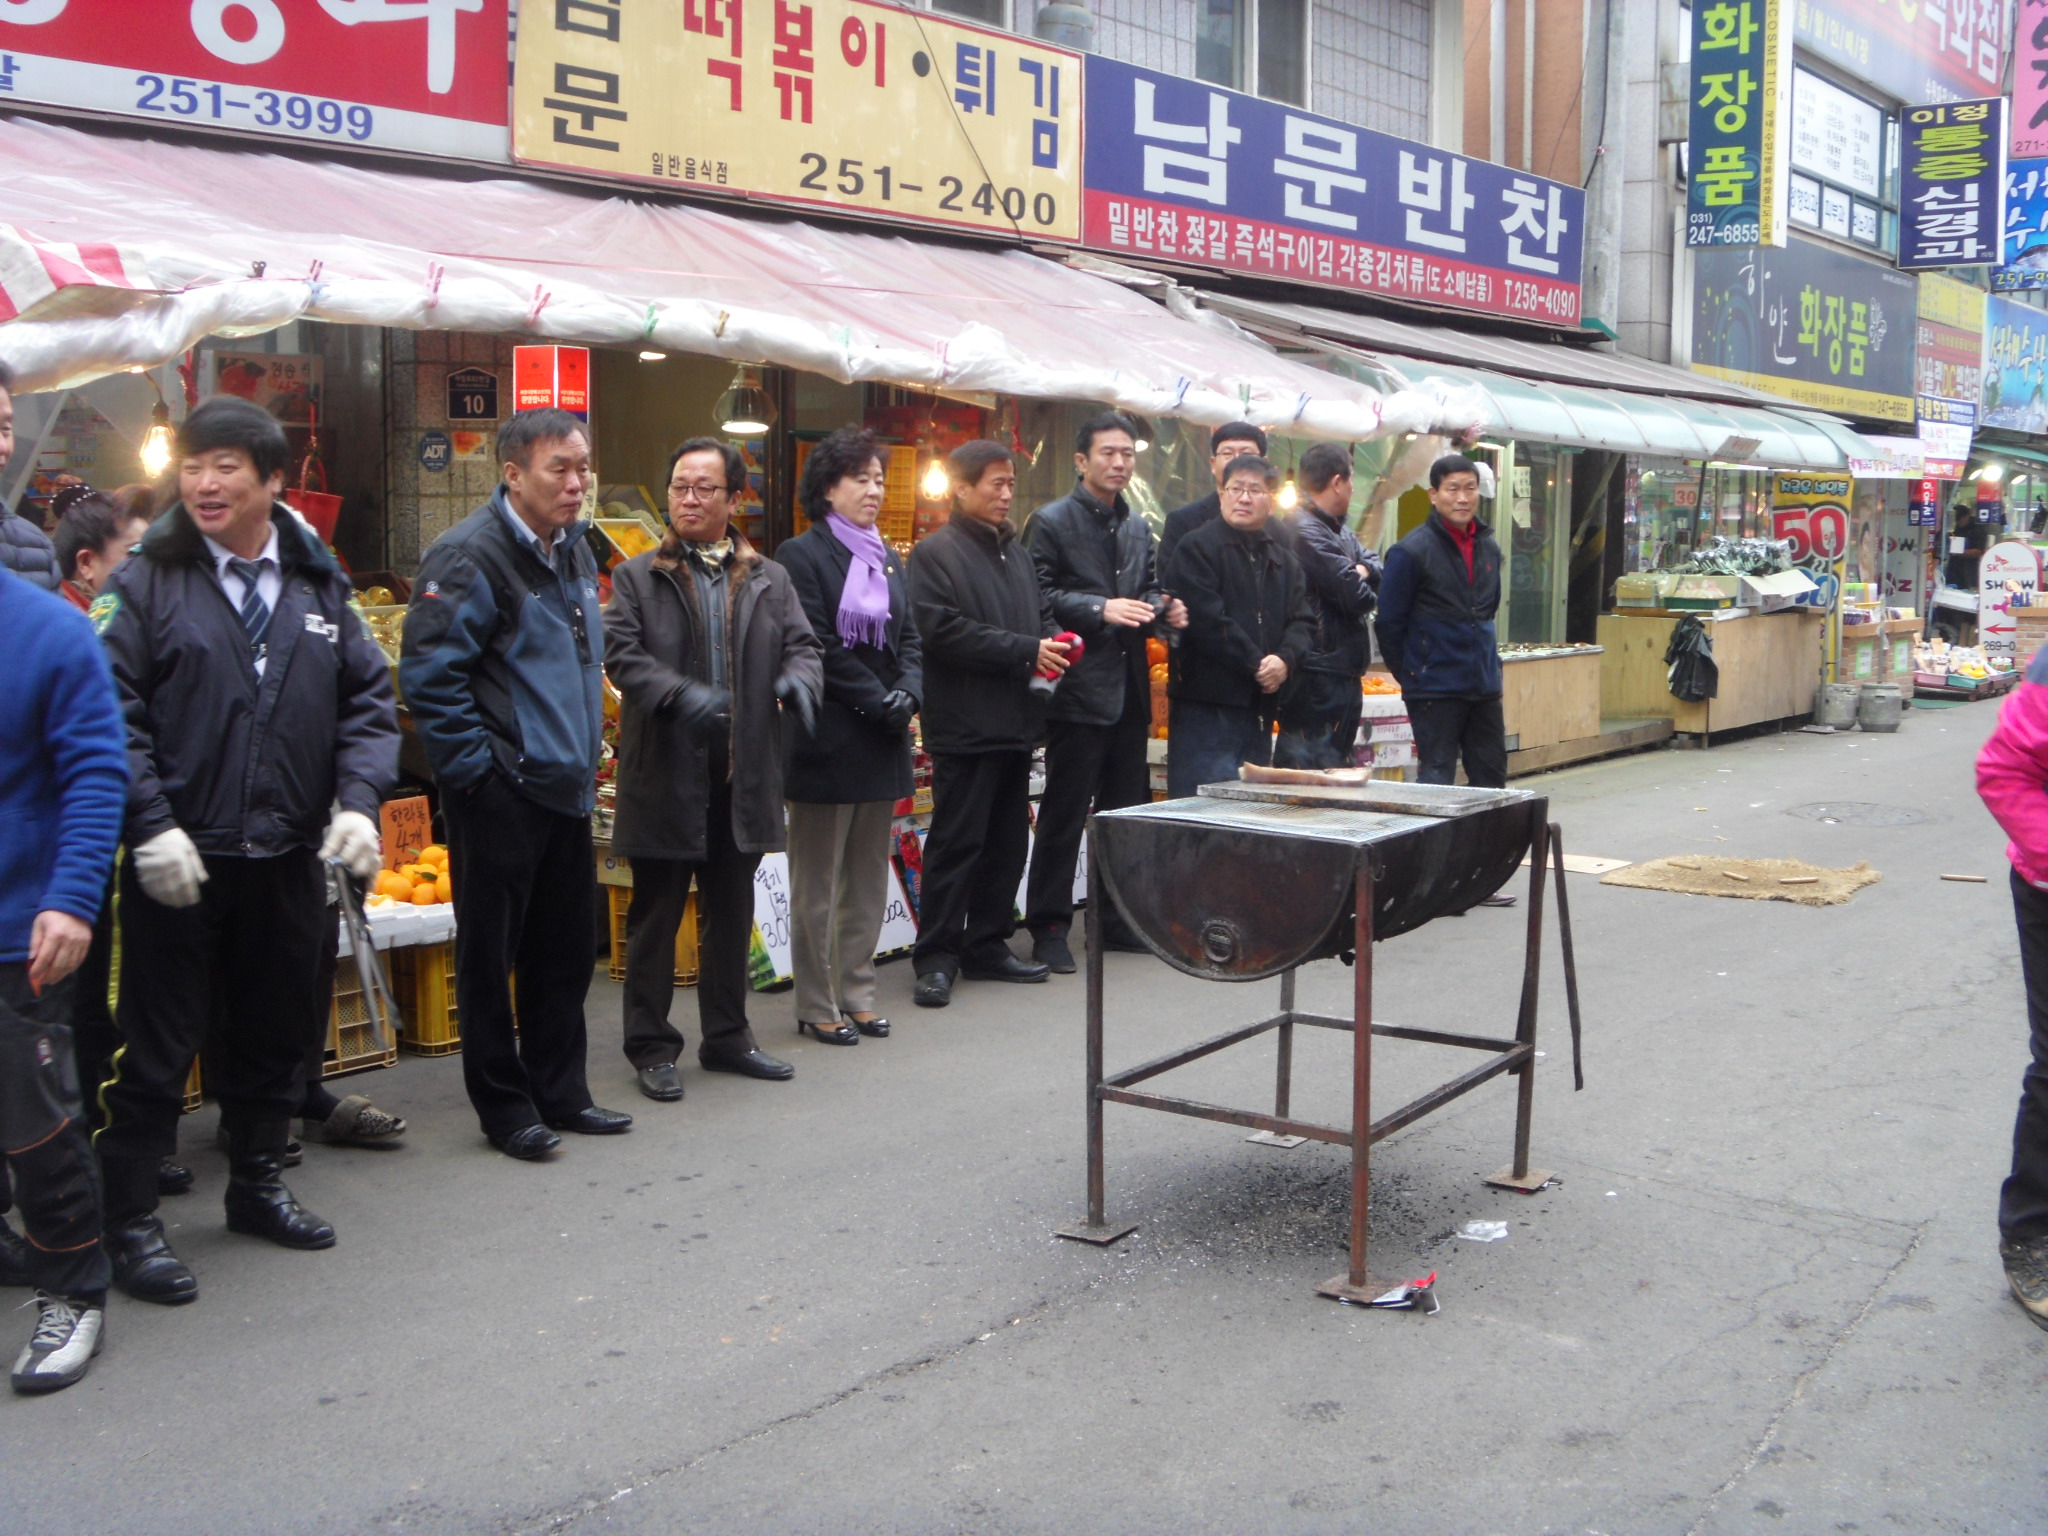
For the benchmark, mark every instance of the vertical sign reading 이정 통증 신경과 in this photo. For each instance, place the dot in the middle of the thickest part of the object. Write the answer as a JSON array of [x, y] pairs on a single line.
[[1952, 184], [869, 109], [1188, 172], [417, 76], [1740, 124]]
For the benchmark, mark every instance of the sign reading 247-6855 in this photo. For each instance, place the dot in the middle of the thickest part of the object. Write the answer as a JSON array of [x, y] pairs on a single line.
[[875, 109]]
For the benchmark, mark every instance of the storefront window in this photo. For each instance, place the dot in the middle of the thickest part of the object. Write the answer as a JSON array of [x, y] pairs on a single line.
[[1678, 506], [1531, 518]]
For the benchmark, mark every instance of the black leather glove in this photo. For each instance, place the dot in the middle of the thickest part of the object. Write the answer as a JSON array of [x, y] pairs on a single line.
[[897, 708], [797, 697], [704, 710]]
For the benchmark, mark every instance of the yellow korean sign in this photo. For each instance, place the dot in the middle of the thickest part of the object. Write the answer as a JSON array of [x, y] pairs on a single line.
[[871, 109]]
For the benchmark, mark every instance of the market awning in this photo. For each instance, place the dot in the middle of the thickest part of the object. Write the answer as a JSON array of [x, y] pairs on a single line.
[[1562, 395], [117, 252]]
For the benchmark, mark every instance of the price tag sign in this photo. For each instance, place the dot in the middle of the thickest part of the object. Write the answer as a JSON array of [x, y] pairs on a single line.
[[866, 108], [472, 395]]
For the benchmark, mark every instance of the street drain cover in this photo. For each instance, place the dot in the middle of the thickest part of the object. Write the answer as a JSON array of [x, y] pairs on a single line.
[[1859, 813]]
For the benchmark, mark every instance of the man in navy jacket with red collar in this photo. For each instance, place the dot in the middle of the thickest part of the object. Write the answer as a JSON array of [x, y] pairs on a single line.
[[1437, 603]]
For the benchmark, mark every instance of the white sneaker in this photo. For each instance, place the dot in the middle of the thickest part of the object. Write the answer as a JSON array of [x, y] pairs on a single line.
[[68, 1334]]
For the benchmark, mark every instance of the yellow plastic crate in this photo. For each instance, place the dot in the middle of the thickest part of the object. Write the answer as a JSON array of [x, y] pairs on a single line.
[[621, 898], [423, 976], [193, 1097], [351, 1042]]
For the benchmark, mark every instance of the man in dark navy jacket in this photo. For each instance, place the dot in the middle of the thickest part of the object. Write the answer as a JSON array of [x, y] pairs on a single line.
[[1437, 602], [255, 703]]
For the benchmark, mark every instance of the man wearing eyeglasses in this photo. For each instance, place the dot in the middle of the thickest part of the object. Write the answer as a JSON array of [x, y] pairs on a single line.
[[703, 639], [503, 644]]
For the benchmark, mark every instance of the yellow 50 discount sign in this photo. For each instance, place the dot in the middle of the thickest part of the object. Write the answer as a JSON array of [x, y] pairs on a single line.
[[868, 108]]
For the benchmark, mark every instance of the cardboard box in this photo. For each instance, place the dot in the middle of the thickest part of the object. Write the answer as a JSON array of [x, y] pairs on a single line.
[[1784, 589], [1695, 592], [1644, 589]]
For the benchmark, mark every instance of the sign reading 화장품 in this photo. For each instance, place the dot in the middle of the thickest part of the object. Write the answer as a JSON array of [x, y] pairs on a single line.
[[1952, 184], [1741, 121], [1916, 50], [1810, 323], [418, 78], [1182, 169], [871, 109], [472, 395]]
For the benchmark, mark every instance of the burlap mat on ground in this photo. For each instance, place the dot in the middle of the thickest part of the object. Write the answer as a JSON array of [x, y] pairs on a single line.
[[1702, 875]]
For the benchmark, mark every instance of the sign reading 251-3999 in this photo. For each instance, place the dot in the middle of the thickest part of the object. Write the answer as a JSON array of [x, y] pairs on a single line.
[[873, 108]]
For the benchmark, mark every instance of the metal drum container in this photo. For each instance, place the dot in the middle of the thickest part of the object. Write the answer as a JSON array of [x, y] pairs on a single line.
[[1245, 881]]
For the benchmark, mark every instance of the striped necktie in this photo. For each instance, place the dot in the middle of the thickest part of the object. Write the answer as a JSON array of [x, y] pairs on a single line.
[[255, 612]]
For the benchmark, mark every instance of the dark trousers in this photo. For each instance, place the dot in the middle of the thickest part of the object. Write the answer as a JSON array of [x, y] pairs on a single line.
[[1098, 766], [525, 895], [56, 1179], [240, 961], [1319, 726], [1206, 743], [725, 923], [315, 1102], [981, 834], [94, 1037], [1445, 729], [2023, 1203]]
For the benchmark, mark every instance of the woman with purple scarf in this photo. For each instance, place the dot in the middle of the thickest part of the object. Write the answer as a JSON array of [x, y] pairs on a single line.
[[845, 779]]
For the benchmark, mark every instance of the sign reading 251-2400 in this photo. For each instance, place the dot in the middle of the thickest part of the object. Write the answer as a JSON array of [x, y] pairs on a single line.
[[872, 108]]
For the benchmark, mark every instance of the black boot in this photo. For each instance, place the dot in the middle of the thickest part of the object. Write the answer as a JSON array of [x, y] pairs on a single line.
[[144, 1265], [257, 1201]]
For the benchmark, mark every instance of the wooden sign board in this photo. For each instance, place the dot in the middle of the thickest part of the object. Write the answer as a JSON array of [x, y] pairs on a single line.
[[408, 826]]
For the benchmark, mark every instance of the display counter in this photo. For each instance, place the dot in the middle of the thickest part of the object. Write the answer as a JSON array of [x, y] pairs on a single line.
[[1551, 695], [1769, 663]]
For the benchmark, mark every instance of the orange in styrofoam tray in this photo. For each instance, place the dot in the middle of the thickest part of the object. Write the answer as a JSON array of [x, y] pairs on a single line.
[[423, 895], [1378, 682], [1155, 652]]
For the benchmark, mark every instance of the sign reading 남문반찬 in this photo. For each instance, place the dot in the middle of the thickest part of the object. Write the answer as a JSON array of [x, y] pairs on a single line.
[[1187, 171], [874, 110]]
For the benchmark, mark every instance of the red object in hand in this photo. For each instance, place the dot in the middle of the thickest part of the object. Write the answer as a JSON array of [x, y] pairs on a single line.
[[1074, 646]]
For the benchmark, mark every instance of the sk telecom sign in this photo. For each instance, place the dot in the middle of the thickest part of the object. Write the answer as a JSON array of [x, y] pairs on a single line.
[[421, 76], [862, 108], [1952, 184], [1741, 123], [1187, 171]]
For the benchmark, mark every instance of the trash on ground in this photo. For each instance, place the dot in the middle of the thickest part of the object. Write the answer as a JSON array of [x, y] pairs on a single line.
[[1965, 879], [1484, 1231], [1412, 1296]]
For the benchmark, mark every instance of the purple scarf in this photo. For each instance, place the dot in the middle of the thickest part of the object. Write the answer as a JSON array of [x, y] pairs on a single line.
[[864, 602]]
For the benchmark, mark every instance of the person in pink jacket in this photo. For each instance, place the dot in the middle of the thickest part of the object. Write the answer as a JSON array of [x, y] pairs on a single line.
[[2012, 778]]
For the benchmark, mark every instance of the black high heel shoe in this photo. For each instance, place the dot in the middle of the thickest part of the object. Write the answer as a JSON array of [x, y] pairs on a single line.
[[830, 1034], [877, 1026]]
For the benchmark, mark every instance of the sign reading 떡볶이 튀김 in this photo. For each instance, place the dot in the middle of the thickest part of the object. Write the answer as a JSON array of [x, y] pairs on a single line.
[[2015, 366], [1808, 323], [871, 109], [1952, 184], [1916, 50], [417, 78], [1741, 122], [1200, 175]]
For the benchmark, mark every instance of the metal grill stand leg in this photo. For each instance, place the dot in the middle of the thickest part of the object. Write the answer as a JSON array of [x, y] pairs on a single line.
[[1284, 1078], [1518, 1175], [1356, 1284], [1096, 1229]]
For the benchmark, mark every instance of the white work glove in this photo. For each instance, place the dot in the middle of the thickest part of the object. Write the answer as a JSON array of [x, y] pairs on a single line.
[[170, 868], [354, 839]]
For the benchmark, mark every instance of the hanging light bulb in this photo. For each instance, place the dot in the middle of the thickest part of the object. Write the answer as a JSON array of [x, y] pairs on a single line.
[[936, 481], [156, 442], [1289, 498], [744, 410]]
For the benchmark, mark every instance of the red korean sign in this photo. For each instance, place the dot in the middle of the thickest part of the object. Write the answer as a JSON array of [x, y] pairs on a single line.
[[551, 376], [423, 77]]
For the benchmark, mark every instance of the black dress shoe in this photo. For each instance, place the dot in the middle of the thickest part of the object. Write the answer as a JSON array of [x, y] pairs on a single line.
[[1050, 950], [830, 1034], [258, 1205], [13, 1256], [933, 991], [173, 1178], [1009, 968], [595, 1122], [661, 1082], [144, 1265], [878, 1027], [753, 1063], [530, 1143]]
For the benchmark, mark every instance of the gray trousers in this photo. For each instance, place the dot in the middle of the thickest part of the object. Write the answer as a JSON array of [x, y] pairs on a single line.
[[838, 892]]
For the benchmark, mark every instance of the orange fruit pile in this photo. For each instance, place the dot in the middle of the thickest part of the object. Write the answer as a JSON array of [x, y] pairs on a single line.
[[422, 882]]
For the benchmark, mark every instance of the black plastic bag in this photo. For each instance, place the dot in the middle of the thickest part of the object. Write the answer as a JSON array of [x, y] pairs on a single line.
[[1689, 660]]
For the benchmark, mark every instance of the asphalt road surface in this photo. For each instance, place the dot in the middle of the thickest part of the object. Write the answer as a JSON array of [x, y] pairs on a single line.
[[1764, 1295]]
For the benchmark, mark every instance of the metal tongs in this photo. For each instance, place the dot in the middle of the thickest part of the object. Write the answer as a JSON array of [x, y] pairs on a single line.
[[378, 1001]]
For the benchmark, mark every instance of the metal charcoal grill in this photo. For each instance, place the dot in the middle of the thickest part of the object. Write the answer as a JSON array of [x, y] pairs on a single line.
[[1248, 881]]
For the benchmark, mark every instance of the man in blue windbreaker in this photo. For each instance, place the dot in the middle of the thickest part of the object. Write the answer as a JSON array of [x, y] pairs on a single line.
[[502, 670]]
